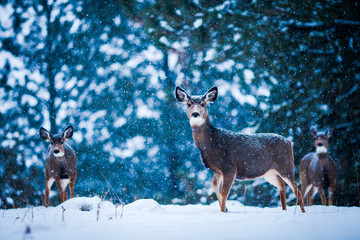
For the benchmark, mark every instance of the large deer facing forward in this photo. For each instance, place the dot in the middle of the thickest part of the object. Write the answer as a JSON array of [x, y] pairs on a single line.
[[60, 163], [233, 155], [318, 169]]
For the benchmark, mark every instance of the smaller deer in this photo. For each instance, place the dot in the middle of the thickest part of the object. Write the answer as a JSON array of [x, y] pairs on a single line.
[[240, 156], [318, 169], [60, 163]]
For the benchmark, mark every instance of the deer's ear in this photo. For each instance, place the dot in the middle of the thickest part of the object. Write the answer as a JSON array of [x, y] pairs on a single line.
[[211, 95], [181, 95], [67, 134], [44, 134], [313, 131], [329, 132]]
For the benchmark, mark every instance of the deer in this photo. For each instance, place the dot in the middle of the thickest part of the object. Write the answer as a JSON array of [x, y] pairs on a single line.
[[231, 155], [60, 163], [318, 170]]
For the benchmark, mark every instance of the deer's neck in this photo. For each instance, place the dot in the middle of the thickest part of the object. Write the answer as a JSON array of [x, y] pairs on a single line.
[[202, 135]]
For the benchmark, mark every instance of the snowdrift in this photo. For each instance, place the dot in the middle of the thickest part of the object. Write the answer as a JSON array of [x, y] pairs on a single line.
[[92, 218]]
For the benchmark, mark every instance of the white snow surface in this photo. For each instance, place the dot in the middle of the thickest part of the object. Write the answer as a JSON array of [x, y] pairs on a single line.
[[146, 219]]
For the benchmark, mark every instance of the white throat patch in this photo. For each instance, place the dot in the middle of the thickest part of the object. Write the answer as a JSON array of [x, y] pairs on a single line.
[[60, 154], [321, 149], [196, 122]]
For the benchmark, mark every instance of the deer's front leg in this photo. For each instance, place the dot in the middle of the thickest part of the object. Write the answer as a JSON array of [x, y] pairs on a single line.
[[228, 179], [71, 186], [48, 183], [216, 186], [322, 196], [331, 194]]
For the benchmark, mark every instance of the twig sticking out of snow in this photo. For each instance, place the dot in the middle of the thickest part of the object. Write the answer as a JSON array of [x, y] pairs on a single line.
[[110, 186], [32, 214], [122, 209], [16, 219], [63, 215], [98, 212], [25, 215], [116, 206]]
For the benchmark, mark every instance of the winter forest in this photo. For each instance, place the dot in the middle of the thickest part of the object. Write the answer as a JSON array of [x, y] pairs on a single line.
[[109, 69]]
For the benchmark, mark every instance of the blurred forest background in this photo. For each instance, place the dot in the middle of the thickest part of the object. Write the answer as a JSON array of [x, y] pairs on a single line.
[[109, 68]]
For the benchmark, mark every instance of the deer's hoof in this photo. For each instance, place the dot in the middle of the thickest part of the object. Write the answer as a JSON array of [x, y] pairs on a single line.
[[225, 211]]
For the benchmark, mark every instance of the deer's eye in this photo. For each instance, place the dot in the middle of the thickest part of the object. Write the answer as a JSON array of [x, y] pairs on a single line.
[[202, 104], [51, 142], [189, 104]]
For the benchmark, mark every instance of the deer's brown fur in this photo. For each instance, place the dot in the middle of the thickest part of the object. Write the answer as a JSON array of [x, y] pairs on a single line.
[[318, 170], [233, 155], [60, 163]]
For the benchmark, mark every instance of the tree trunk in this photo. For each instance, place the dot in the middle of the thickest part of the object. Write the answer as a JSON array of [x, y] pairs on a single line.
[[49, 72]]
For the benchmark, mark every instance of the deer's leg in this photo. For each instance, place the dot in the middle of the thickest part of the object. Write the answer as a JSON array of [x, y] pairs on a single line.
[[322, 196], [331, 194], [71, 186], [273, 178], [306, 192], [64, 183], [216, 184], [58, 183], [310, 196], [293, 185], [228, 180], [48, 183], [282, 193]]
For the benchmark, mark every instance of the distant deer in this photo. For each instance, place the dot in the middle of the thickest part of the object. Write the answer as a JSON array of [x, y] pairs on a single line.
[[318, 169], [233, 155], [60, 163]]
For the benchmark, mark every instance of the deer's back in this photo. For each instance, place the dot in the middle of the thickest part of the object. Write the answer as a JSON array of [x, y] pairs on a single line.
[[254, 154]]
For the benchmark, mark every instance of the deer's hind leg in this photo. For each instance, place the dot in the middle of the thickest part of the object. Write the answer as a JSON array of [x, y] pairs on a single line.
[[62, 184], [273, 178], [293, 185]]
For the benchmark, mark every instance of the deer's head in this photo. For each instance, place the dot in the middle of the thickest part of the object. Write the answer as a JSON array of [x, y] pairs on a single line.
[[321, 142], [57, 141], [196, 105]]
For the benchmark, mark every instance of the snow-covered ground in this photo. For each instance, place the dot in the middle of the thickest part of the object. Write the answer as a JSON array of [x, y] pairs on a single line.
[[146, 219]]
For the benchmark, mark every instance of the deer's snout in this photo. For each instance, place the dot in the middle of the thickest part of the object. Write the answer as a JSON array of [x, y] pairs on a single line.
[[320, 144], [195, 115], [58, 152]]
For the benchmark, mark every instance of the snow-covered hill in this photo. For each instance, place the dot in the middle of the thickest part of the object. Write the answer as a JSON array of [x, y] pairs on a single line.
[[146, 219]]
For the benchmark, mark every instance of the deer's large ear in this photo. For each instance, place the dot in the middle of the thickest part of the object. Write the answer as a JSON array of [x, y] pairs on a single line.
[[181, 95], [329, 132], [67, 134], [313, 131], [44, 134], [211, 95]]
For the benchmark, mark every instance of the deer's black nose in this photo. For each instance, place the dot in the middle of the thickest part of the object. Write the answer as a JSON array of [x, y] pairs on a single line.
[[56, 151], [195, 114], [320, 144]]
